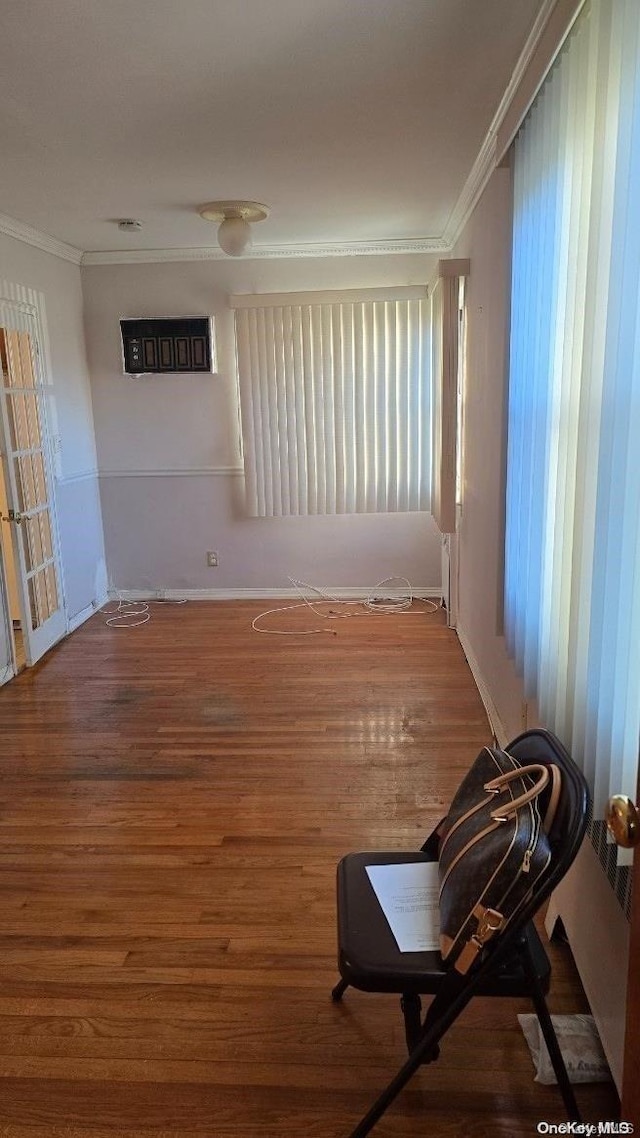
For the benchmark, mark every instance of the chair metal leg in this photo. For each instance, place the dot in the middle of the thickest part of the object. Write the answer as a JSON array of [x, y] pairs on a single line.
[[415, 1060], [550, 1038], [339, 991], [411, 1005], [445, 1007], [557, 1061]]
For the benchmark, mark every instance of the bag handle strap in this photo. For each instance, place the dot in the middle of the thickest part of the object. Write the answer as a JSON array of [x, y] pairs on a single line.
[[554, 797], [536, 770]]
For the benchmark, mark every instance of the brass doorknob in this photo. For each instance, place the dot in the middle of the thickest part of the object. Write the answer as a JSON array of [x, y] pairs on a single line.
[[623, 821]]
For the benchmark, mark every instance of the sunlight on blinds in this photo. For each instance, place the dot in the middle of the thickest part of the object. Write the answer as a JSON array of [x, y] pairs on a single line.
[[572, 579], [335, 403]]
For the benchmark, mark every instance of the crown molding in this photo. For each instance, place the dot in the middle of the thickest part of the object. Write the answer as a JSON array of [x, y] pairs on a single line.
[[481, 171], [475, 184], [44, 241], [269, 252], [485, 162], [48, 244]]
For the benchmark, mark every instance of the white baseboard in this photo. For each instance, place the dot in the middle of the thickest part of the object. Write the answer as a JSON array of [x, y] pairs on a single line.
[[347, 594], [6, 674], [75, 621], [497, 726]]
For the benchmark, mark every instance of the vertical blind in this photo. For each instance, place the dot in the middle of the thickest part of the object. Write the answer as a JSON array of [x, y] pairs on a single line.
[[572, 574], [335, 401]]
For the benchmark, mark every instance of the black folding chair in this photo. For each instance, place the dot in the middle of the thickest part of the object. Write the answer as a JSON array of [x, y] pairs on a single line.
[[513, 964]]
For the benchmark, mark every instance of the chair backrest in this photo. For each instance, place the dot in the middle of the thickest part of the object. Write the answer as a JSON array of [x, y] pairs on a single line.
[[565, 834], [565, 838], [570, 822]]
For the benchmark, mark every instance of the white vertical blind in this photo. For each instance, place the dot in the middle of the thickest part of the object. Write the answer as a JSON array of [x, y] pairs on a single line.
[[572, 575], [335, 403]]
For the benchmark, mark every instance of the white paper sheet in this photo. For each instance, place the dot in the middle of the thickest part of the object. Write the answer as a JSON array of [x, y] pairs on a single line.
[[408, 896]]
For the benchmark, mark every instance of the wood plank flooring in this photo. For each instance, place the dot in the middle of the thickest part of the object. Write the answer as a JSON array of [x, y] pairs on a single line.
[[174, 800]]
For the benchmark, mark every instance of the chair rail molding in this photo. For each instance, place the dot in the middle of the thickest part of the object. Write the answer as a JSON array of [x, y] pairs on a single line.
[[176, 472]]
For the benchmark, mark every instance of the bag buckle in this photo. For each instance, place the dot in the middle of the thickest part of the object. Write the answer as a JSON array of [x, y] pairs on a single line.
[[490, 921]]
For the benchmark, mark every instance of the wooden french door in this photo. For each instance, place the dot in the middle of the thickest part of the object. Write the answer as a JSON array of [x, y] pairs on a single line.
[[25, 454]]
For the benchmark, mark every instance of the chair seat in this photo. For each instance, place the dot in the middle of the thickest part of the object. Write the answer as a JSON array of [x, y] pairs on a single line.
[[370, 960]]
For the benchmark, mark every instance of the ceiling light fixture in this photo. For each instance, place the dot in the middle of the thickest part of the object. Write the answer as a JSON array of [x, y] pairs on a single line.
[[234, 233]]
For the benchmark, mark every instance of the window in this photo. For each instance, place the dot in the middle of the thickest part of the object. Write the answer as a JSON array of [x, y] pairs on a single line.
[[572, 580], [335, 401]]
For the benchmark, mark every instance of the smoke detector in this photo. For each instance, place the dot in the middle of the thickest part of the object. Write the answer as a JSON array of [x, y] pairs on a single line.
[[129, 225]]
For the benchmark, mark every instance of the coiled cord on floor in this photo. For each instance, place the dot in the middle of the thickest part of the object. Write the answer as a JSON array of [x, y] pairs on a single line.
[[127, 612], [132, 614], [375, 603]]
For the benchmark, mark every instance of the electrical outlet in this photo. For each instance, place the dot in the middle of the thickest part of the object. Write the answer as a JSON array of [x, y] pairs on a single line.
[[212, 560]]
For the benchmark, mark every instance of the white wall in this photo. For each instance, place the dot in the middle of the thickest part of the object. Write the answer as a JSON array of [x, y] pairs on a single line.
[[601, 959], [164, 441], [486, 241], [76, 491]]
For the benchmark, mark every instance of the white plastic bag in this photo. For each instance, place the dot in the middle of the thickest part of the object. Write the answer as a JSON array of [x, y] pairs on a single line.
[[580, 1046]]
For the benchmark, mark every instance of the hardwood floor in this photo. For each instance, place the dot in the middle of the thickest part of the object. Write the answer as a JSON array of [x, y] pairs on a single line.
[[174, 800]]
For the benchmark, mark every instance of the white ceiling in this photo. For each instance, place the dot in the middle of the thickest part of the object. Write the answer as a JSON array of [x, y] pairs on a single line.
[[354, 120]]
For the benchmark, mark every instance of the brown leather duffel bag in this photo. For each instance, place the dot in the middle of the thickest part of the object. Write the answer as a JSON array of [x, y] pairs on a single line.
[[493, 849]]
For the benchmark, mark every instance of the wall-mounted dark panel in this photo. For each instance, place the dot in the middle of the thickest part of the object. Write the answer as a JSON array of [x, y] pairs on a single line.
[[183, 355], [166, 354], [167, 344], [150, 353], [198, 351]]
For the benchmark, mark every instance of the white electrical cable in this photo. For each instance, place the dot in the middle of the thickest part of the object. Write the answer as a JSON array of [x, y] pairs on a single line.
[[373, 604], [289, 632], [124, 615]]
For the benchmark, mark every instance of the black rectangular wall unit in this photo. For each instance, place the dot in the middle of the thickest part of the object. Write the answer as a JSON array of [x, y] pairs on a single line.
[[166, 344]]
